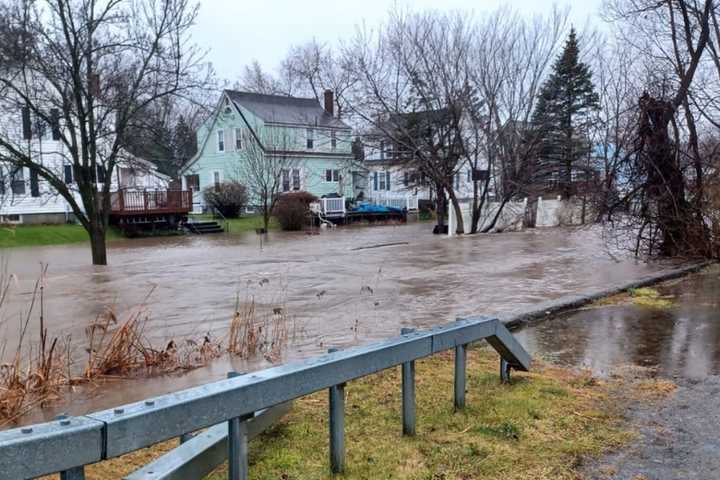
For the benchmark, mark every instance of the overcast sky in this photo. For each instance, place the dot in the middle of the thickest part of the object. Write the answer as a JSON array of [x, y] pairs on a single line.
[[238, 31]]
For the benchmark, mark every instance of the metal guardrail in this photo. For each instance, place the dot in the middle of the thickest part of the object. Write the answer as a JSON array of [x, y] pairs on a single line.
[[67, 445]]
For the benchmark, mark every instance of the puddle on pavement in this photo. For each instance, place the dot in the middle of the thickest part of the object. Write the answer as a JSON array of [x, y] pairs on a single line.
[[682, 341], [420, 281]]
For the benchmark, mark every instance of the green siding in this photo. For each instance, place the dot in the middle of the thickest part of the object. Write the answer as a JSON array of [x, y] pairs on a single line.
[[312, 165]]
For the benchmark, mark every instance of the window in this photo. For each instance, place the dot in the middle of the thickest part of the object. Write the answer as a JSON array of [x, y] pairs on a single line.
[[285, 180], [469, 176], [18, 182], [100, 173], [406, 179], [68, 174], [296, 179], [220, 141], [55, 123], [457, 181], [381, 183], [26, 124], [310, 138], [216, 179], [193, 182], [238, 139], [333, 140], [387, 181], [332, 175], [34, 184], [382, 150]]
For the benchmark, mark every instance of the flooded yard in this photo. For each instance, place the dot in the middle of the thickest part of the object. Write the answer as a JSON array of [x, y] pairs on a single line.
[[680, 341], [342, 287]]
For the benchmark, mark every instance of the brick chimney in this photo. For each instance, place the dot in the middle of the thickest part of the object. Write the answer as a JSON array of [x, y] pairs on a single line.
[[330, 102]]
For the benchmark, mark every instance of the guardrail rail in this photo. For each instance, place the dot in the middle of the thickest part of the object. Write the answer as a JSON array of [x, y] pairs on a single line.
[[69, 444]]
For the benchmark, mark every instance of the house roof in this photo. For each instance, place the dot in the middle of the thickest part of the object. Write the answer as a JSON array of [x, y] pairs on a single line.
[[286, 110]]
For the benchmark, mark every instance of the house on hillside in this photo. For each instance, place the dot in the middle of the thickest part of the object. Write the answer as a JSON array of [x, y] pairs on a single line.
[[319, 144]]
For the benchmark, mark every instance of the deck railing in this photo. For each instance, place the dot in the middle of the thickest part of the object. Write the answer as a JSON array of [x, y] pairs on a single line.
[[333, 207], [125, 202], [67, 445], [403, 202]]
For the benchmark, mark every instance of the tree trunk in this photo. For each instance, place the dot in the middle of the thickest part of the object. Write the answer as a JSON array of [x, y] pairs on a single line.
[[97, 244], [458, 212]]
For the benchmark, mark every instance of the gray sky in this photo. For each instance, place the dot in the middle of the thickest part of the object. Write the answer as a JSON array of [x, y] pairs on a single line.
[[238, 31]]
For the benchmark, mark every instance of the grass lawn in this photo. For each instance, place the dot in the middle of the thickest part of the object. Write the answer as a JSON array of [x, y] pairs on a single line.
[[34, 235], [540, 426], [246, 223]]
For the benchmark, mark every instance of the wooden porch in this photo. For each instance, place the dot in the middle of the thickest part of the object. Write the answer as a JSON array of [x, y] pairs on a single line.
[[158, 202]]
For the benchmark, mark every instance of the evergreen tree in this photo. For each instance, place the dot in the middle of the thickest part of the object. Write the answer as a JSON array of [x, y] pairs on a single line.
[[562, 117], [184, 144]]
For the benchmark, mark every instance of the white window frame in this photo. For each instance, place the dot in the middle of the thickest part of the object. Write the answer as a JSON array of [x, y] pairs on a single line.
[[219, 175], [333, 140], [310, 139], [334, 175], [220, 138], [292, 179], [238, 139], [382, 182]]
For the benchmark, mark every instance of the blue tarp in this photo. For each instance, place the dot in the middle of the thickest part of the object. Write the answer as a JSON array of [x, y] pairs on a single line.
[[370, 208]]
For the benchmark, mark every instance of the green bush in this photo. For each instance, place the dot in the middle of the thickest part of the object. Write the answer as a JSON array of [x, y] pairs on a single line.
[[292, 209], [228, 198]]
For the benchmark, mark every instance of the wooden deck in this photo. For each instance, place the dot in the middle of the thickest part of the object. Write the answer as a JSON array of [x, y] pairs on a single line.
[[160, 202]]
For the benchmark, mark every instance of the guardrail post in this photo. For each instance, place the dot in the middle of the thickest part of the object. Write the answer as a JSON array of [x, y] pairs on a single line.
[[408, 392], [337, 426], [237, 444], [460, 376], [77, 473]]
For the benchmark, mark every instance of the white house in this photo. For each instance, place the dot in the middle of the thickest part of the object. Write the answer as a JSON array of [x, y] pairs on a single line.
[[26, 198]]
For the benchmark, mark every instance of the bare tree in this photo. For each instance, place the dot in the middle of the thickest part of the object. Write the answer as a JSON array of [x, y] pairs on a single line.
[[268, 168], [88, 69], [667, 198]]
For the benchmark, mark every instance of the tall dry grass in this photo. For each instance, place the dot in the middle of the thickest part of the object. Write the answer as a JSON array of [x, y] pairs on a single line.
[[39, 369]]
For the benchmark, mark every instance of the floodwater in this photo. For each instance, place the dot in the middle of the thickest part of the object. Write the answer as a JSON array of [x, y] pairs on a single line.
[[342, 287], [681, 342]]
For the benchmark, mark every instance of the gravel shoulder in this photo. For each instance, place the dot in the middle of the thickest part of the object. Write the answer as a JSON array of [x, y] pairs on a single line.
[[679, 438]]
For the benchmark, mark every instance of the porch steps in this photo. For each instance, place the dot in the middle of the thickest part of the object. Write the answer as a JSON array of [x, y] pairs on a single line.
[[204, 227]]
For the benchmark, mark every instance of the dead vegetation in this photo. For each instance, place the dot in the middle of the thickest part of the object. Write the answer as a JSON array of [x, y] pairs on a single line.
[[38, 370]]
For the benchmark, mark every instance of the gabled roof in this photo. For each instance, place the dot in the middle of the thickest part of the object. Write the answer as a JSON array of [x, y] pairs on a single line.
[[285, 110]]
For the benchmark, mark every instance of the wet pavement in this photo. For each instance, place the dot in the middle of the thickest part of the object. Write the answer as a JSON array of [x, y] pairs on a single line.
[[342, 287]]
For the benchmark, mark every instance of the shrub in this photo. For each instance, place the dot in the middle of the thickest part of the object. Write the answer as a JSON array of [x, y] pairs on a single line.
[[229, 198], [292, 209]]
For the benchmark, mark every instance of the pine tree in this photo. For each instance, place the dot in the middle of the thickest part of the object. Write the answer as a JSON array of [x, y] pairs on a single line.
[[562, 116]]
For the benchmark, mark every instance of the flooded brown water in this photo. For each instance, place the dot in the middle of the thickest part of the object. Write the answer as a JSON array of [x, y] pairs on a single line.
[[340, 287], [682, 341]]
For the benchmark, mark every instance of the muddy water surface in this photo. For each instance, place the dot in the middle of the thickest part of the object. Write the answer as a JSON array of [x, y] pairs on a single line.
[[342, 287], [681, 341]]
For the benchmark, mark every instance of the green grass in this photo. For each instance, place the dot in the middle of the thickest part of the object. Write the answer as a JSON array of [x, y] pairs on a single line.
[[541, 426], [36, 235], [538, 427], [243, 224]]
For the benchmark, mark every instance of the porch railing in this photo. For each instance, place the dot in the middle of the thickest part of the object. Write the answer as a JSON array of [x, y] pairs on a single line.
[[156, 201], [404, 202], [68, 444], [333, 207]]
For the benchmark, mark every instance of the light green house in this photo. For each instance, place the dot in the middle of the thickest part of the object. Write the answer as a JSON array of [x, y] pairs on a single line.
[[315, 144]]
